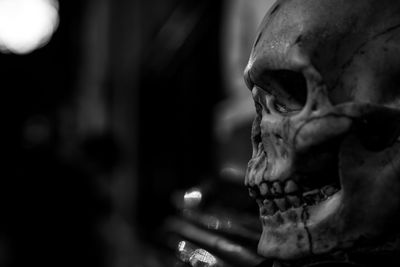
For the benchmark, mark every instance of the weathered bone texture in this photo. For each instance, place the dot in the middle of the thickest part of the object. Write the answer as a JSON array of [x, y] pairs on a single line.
[[325, 171]]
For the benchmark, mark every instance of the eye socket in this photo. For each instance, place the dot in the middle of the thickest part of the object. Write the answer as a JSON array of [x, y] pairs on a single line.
[[289, 89]]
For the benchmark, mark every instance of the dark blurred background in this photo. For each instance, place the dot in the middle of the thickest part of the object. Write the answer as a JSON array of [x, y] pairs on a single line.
[[108, 119]]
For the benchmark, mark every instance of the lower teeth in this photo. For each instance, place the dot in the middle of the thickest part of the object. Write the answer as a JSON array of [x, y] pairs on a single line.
[[270, 207]]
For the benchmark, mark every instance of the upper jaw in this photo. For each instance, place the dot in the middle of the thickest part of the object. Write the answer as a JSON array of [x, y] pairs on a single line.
[[292, 181]]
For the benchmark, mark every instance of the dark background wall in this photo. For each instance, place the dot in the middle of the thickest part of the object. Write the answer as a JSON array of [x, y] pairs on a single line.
[[181, 74], [102, 125]]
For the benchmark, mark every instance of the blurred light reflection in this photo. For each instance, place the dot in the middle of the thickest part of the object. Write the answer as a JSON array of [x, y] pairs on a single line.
[[200, 257], [194, 256], [181, 246], [184, 251], [26, 25], [192, 198]]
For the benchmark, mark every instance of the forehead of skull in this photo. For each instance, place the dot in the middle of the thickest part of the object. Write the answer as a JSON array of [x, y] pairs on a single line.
[[310, 24]]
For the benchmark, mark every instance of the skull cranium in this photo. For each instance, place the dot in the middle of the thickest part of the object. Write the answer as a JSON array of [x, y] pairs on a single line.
[[325, 170]]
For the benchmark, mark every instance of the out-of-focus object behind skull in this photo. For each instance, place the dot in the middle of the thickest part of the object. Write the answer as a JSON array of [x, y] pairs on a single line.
[[210, 227]]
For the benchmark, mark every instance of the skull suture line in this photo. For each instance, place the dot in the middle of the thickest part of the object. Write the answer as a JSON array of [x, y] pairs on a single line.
[[325, 170]]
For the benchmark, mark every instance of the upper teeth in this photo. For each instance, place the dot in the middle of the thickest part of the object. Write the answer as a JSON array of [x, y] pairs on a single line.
[[291, 187]]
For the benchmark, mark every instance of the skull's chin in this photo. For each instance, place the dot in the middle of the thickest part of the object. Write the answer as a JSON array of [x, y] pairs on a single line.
[[288, 235]]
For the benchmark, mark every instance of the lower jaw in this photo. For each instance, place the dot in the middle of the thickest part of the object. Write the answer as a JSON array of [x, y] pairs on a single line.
[[288, 242], [312, 234], [289, 234], [311, 213], [386, 254]]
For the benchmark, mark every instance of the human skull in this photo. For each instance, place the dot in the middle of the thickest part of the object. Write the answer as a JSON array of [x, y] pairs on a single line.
[[325, 170]]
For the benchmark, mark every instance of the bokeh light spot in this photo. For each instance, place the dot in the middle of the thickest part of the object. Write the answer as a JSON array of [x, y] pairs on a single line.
[[26, 25]]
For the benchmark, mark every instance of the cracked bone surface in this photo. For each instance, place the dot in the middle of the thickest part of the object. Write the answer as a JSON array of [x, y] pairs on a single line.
[[324, 75]]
